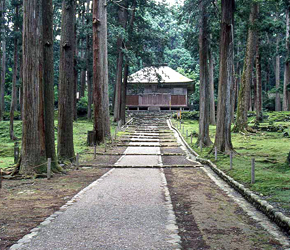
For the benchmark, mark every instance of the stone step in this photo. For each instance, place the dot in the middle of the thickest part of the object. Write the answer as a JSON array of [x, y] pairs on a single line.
[[147, 140], [162, 154], [129, 145], [149, 166]]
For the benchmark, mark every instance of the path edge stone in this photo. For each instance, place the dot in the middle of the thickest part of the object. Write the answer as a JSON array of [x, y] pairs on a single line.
[[34, 232], [262, 205], [171, 226]]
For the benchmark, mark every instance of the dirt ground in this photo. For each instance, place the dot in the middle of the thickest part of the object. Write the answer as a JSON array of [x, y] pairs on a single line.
[[26, 203], [209, 219]]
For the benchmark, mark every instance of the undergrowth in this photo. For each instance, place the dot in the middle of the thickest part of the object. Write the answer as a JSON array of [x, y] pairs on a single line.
[[270, 150]]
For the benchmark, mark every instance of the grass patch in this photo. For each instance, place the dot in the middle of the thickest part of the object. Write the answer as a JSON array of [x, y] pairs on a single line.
[[270, 150], [81, 128]]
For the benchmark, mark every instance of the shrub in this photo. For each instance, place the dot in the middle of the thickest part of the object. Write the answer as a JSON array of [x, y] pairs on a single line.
[[191, 115]]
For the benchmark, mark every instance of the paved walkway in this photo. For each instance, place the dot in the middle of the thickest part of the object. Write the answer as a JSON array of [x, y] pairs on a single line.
[[127, 209], [130, 207]]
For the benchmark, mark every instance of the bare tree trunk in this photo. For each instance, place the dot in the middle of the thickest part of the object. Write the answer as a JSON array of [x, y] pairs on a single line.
[[90, 96], [83, 82], [223, 141], [89, 71], [48, 80], [14, 78], [76, 77], [65, 144], [254, 93], [3, 59], [287, 65], [21, 87], [277, 78], [123, 18], [98, 71], [259, 115], [33, 148], [204, 99], [106, 108], [245, 88], [126, 68], [211, 88], [124, 94]]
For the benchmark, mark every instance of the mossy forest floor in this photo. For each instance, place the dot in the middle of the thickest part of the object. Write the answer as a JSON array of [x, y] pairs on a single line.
[[81, 128], [270, 150]]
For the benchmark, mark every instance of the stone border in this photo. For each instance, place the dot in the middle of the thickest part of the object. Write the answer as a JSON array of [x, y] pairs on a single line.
[[34, 232], [171, 226], [183, 140], [273, 214]]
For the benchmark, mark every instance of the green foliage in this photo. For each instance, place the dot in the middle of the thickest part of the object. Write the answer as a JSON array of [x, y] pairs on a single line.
[[17, 115], [270, 149], [82, 106], [188, 115]]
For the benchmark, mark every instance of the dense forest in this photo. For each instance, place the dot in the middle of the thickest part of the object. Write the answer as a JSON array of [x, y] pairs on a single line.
[[61, 60]]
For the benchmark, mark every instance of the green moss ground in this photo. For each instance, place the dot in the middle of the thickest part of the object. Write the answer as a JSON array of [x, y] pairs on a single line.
[[81, 127], [270, 150]]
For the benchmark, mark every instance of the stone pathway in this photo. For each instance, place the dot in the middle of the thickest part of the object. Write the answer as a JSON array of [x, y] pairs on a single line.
[[130, 207], [127, 209]]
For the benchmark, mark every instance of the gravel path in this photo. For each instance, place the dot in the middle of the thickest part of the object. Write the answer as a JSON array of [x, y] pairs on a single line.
[[127, 209], [116, 214]]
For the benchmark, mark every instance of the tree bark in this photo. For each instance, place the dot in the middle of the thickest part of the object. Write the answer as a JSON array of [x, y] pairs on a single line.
[[211, 88], [76, 77], [126, 68], [14, 78], [122, 18], [2, 58], [204, 99], [48, 80], [259, 115], [245, 88], [104, 38], [33, 148], [223, 141], [124, 94], [277, 78], [287, 64], [89, 71], [65, 144], [98, 71]]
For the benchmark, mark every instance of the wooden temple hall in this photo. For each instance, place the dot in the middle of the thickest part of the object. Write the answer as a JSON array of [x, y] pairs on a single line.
[[158, 88]]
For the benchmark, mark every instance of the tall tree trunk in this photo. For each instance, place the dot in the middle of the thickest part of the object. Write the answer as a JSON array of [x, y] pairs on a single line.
[[3, 59], [277, 78], [21, 87], [104, 37], [287, 64], [33, 148], [245, 88], [48, 80], [211, 88], [83, 54], [259, 115], [83, 82], [254, 93], [124, 94], [126, 68], [98, 71], [14, 78], [122, 18], [89, 71], [76, 76], [223, 141], [204, 99], [65, 143]]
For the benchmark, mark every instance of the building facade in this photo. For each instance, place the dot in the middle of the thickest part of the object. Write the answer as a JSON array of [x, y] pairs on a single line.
[[158, 88]]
